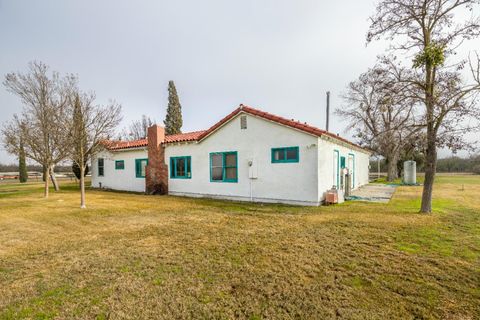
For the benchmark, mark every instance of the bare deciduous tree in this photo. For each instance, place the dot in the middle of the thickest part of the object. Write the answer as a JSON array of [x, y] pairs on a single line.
[[138, 128], [45, 106], [432, 31], [380, 109], [89, 125]]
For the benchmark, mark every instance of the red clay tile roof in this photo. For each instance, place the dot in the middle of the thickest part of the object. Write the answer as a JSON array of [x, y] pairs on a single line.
[[120, 145], [182, 137], [199, 135], [117, 145], [268, 116]]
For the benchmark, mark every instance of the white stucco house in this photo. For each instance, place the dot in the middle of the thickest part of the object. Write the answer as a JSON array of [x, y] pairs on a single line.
[[249, 155]]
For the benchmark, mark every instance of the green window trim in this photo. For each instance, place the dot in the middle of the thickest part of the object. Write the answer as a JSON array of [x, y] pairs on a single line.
[[101, 167], [138, 168], [338, 167], [119, 164], [224, 166], [342, 162], [284, 151], [188, 167]]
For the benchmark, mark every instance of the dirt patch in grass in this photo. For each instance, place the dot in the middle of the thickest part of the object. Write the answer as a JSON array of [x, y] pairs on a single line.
[[137, 257]]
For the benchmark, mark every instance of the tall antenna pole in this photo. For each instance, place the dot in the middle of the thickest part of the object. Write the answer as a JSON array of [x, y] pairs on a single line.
[[328, 110]]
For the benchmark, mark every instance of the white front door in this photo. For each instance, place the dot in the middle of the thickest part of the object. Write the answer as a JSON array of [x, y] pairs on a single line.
[[351, 169]]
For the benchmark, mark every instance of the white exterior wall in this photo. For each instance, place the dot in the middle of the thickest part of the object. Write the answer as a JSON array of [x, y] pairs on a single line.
[[294, 183], [119, 179], [303, 183], [326, 164]]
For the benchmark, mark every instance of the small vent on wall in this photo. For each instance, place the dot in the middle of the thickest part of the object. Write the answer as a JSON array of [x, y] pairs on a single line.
[[243, 122]]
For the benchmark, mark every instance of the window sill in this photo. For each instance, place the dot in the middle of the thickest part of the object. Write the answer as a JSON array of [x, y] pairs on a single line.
[[286, 161]]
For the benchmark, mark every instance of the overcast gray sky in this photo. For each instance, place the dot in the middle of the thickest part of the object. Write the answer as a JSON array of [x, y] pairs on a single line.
[[277, 55]]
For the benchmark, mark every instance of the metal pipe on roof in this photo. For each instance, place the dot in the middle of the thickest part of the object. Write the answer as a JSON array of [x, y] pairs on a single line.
[[328, 110]]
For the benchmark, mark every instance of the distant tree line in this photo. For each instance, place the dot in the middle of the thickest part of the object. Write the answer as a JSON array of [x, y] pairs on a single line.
[[457, 164], [449, 164], [33, 168]]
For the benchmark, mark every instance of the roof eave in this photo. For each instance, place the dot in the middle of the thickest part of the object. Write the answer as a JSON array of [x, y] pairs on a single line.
[[344, 143], [127, 149]]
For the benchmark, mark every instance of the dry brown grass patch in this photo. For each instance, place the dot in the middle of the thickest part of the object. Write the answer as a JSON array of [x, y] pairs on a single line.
[[132, 256]]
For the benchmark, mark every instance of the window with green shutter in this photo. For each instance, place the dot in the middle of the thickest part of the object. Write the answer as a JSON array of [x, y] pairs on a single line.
[[181, 167], [100, 167], [119, 164], [342, 162], [223, 167], [140, 167], [285, 155]]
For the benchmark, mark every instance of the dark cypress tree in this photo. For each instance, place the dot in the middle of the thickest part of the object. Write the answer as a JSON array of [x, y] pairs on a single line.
[[173, 121], [22, 165]]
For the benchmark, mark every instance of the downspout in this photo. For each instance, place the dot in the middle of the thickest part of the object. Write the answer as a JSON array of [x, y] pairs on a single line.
[[251, 190], [251, 176]]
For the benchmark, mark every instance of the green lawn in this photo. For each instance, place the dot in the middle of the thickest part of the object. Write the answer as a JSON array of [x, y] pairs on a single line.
[[138, 257]]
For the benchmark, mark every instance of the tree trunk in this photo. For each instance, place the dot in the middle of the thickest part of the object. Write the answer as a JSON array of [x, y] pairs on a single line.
[[431, 153], [53, 178], [392, 172], [22, 165], [392, 169], [82, 186], [400, 172], [45, 174], [430, 169]]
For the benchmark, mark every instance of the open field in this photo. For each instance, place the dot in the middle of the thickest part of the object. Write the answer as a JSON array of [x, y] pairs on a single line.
[[136, 257]]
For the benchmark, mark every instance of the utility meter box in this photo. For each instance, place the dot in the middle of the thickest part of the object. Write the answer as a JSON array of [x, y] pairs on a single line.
[[252, 169]]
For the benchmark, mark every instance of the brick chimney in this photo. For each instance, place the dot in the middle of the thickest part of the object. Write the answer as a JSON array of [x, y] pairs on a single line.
[[156, 179]]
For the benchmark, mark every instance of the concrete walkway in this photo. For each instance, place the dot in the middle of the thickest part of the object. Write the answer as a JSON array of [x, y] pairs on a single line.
[[374, 192]]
